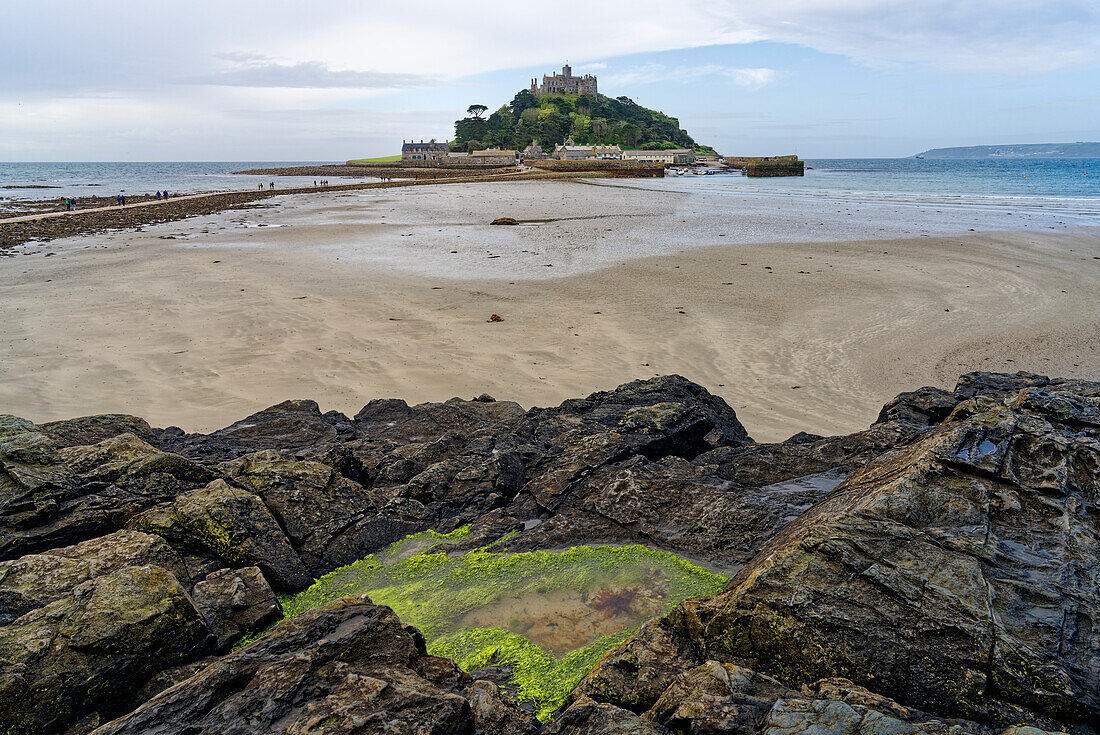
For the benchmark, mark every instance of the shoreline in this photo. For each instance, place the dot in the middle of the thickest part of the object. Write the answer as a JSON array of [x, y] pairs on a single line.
[[43, 227], [202, 323]]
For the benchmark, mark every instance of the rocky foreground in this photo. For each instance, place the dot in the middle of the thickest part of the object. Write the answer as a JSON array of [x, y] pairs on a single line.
[[936, 573]]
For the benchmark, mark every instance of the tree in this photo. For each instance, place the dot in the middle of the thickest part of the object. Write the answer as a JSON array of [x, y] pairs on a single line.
[[470, 128], [476, 110], [523, 101]]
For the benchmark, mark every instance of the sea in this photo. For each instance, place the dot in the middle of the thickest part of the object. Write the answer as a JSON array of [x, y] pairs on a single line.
[[1067, 188], [28, 180]]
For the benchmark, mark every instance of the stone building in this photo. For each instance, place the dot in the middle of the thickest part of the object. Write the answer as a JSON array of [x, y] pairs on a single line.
[[570, 152], [430, 151], [677, 156], [565, 83], [534, 151], [493, 157]]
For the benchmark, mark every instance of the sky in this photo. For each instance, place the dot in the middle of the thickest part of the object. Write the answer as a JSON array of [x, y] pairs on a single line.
[[322, 80]]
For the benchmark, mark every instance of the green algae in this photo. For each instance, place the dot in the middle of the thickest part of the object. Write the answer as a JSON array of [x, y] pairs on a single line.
[[549, 615]]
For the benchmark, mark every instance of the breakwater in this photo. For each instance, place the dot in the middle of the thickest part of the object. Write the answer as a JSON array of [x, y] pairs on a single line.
[[768, 165], [629, 169]]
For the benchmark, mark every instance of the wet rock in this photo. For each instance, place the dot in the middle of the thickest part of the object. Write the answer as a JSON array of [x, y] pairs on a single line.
[[958, 577], [677, 506], [348, 666], [93, 429], [587, 717], [54, 496], [394, 420], [35, 580], [504, 221], [234, 602], [634, 675], [717, 698], [830, 717], [314, 504], [928, 406], [229, 524], [291, 426], [89, 650], [494, 712]]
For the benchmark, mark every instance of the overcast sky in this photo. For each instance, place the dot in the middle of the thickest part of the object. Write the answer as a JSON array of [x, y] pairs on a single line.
[[326, 80]]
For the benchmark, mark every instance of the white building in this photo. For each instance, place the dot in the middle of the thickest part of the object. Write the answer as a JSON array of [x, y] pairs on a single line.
[[676, 156], [570, 152]]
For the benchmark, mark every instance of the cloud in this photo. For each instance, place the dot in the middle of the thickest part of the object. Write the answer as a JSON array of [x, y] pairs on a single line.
[[253, 71], [77, 74], [652, 73]]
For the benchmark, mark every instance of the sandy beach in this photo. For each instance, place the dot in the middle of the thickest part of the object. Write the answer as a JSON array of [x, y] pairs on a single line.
[[803, 318]]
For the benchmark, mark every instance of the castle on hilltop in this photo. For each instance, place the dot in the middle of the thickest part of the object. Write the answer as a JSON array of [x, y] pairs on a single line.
[[565, 83]]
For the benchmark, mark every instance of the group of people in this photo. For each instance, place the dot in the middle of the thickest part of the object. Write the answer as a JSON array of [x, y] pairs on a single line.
[[162, 195], [120, 200], [269, 186], [70, 204], [324, 182]]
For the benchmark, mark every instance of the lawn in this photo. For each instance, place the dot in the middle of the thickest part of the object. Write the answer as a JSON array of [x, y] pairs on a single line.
[[380, 159]]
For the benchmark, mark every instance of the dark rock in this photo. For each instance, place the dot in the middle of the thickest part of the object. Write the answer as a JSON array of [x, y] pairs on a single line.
[[394, 420], [89, 650], [717, 698], [634, 675], [55, 496], [675, 505], [495, 712], [35, 580], [234, 602], [958, 577], [94, 429], [348, 666], [231, 525], [504, 221], [314, 504], [291, 426], [586, 717]]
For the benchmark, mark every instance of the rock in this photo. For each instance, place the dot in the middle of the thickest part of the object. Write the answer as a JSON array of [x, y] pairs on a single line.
[[717, 698], [35, 580], [587, 717], [89, 650], [958, 577], [494, 712], [291, 426], [94, 429], [394, 420], [54, 496], [314, 505], [832, 717], [231, 525], [677, 506], [348, 666], [504, 221], [634, 675], [234, 602]]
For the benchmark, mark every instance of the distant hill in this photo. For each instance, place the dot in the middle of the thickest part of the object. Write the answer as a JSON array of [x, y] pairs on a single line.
[[1020, 150], [587, 119]]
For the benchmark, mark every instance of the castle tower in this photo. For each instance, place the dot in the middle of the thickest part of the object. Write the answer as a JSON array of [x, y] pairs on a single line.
[[567, 71]]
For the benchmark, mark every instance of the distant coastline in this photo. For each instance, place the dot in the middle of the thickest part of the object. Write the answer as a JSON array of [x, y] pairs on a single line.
[[1017, 150]]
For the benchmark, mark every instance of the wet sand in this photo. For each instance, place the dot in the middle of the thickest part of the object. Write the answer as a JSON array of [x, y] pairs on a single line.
[[359, 296]]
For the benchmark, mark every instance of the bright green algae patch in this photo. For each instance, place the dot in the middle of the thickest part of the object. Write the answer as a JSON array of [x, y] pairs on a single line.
[[549, 615]]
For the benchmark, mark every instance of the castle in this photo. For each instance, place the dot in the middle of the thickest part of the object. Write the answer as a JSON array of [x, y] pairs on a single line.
[[565, 83]]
